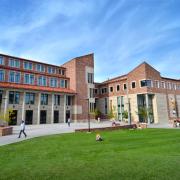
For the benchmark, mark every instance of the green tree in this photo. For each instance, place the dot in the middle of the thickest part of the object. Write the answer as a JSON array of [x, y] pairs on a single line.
[[145, 113], [112, 113], [96, 113], [5, 117]]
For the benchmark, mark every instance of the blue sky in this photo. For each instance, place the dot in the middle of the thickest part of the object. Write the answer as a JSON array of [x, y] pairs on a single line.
[[121, 33]]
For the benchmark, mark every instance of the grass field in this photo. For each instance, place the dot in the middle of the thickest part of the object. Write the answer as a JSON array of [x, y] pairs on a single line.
[[124, 154]]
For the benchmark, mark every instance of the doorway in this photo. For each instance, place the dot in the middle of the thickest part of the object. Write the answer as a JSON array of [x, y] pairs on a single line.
[[56, 116], [67, 115], [42, 117], [13, 118], [29, 117]]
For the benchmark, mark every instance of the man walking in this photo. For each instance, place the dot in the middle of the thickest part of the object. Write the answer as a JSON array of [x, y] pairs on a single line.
[[69, 121], [22, 129]]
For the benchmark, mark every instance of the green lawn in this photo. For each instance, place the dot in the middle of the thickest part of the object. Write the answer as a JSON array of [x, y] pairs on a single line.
[[124, 154]]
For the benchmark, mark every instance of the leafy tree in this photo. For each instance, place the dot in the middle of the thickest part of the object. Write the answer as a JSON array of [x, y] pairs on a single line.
[[112, 113], [145, 113], [125, 114], [5, 117], [97, 113]]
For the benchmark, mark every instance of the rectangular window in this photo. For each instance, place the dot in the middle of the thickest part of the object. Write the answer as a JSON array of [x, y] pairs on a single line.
[[146, 83], [103, 90], [118, 87], [28, 65], [44, 99], [57, 100], [51, 70], [28, 79], [90, 78], [62, 72], [14, 77], [124, 86], [2, 75], [53, 82], [156, 84], [62, 83], [1, 60], [42, 81], [30, 98], [14, 97], [133, 85], [40, 68], [91, 92], [163, 85], [14, 63], [68, 101], [111, 89], [91, 107]]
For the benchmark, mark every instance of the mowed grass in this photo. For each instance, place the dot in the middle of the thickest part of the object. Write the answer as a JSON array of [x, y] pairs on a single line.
[[124, 154]]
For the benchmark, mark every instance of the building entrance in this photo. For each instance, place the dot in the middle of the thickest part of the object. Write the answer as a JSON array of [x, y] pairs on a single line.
[[29, 117], [56, 116], [43, 117]]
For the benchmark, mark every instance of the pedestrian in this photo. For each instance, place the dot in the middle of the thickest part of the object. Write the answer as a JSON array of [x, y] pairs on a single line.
[[22, 129], [69, 121]]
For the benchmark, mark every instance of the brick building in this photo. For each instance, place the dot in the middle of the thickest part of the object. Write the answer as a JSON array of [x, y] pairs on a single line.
[[42, 93], [141, 87]]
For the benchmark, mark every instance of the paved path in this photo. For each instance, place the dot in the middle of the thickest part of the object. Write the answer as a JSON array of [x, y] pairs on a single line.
[[47, 129]]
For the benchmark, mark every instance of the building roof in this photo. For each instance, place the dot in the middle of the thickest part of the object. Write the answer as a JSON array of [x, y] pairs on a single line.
[[36, 88], [33, 61]]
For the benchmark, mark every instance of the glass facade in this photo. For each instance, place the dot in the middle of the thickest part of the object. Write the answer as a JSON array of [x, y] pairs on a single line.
[[30, 98], [44, 99], [28, 65], [14, 77], [14, 63], [2, 75], [14, 97], [1, 60]]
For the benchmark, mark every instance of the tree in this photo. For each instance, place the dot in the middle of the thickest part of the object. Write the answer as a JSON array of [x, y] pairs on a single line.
[[145, 113], [112, 113], [97, 113], [125, 114], [5, 117]]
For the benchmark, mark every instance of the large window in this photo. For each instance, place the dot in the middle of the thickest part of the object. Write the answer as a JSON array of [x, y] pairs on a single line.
[[90, 78], [14, 97], [57, 100], [103, 90], [120, 104], [63, 83], [53, 82], [51, 70], [28, 78], [91, 92], [1, 60], [62, 72], [28, 65], [40, 68], [14, 63], [2, 75], [105, 105], [44, 99], [133, 85], [118, 87], [111, 89], [14, 77], [42, 81], [68, 101], [146, 83], [30, 98]]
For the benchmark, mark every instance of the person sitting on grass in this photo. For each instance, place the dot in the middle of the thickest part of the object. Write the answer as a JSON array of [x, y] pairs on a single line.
[[98, 137]]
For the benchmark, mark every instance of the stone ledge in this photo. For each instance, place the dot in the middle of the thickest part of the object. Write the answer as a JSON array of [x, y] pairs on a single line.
[[111, 128], [7, 130]]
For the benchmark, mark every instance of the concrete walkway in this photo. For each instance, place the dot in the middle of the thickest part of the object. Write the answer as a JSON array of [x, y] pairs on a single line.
[[47, 129]]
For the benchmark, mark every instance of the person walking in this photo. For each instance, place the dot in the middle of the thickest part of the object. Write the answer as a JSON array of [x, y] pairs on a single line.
[[69, 121], [22, 129]]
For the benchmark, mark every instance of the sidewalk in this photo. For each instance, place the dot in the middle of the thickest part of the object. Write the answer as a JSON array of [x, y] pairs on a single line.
[[47, 129]]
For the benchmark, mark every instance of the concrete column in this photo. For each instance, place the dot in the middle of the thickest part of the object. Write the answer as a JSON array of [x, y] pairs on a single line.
[[38, 108], [147, 106], [23, 104], [64, 107], [6, 101], [52, 109]]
